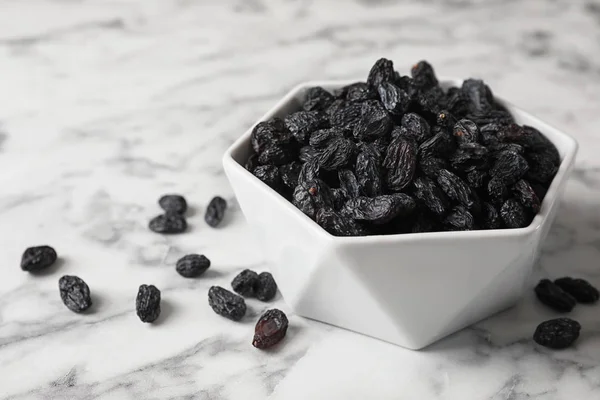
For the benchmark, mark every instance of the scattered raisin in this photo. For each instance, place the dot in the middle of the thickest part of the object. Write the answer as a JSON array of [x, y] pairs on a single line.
[[192, 265], [168, 223], [215, 212], [173, 203], [580, 289], [244, 282], [75, 293], [265, 287], [226, 304], [38, 258], [147, 303], [558, 333], [270, 329], [554, 297]]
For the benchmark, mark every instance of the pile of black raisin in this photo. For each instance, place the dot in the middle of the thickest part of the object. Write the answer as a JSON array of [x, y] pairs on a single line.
[[399, 154]]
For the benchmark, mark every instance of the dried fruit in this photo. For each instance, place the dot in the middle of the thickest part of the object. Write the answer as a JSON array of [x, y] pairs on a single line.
[[271, 132], [440, 144], [526, 195], [147, 303], [466, 131], [276, 155], [431, 196], [337, 154], [509, 167], [460, 219], [580, 289], [173, 203], [215, 212], [317, 99], [244, 282], [381, 209], [455, 188], [168, 223], [349, 183], [309, 197], [38, 258], [400, 162], [554, 297], [346, 117], [479, 95], [75, 293], [558, 333], [226, 304], [491, 218], [270, 329], [270, 175], [374, 121], [394, 99], [368, 171], [265, 287], [358, 92], [514, 215], [382, 71], [423, 75], [252, 162], [338, 224], [414, 127], [302, 123], [192, 265], [289, 174], [431, 166]]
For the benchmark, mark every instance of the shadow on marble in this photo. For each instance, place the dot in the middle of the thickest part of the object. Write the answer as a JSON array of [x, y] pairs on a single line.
[[51, 270], [166, 311]]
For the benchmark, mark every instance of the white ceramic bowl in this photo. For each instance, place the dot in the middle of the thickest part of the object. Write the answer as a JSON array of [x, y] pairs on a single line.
[[407, 289]]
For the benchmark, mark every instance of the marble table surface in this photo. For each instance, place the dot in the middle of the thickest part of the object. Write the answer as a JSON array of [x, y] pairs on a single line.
[[106, 105]]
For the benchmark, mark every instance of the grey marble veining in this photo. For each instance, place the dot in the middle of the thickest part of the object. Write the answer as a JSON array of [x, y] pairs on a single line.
[[106, 105]]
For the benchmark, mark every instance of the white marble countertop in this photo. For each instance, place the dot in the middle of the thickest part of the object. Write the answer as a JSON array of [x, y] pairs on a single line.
[[106, 105]]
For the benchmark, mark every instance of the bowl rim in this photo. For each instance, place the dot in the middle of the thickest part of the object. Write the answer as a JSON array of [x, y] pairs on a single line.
[[569, 147]]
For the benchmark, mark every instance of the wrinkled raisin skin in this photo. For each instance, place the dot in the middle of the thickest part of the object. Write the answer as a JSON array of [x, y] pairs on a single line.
[[215, 212], [270, 329], [192, 265], [147, 303], [226, 304], [580, 289], [168, 223], [75, 293], [244, 282], [558, 333], [173, 203], [38, 258], [265, 287], [554, 297]]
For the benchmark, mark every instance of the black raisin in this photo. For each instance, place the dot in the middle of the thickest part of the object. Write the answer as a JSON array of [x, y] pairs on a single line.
[[431, 196], [554, 297], [460, 219], [479, 95], [307, 153], [338, 224], [580, 289], [323, 137], [497, 191], [415, 127], [491, 218], [317, 99], [446, 120], [431, 166], [289, 174], [270, 175], [368, 171], [346, 117], [244, 282], [168, 223], [382, 71], [215, 212], [526, 195], [349, 183], [38, 258], [173, 203], [394, 99], [558, 333], [476, 178], [466, 131], [455, 188], [514, 215], [302, 123], [381, 209], [400, 162], [192, 265], [265, 287], [271, 132], [310, 196], [270, 329], [374, 121], [542, 166], [276, 155], [226, 304], [75, 293], [469, 156], [509, 167], [441, 144], [147, 303], [252, 162], [423, 75], [337, 154], [359, 92]]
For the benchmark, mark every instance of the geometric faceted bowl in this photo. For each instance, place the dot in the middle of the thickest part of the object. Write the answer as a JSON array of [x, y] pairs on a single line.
[[406, 289]]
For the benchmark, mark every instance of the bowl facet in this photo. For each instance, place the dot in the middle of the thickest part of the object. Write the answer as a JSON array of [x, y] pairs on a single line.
[[407, 289]]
